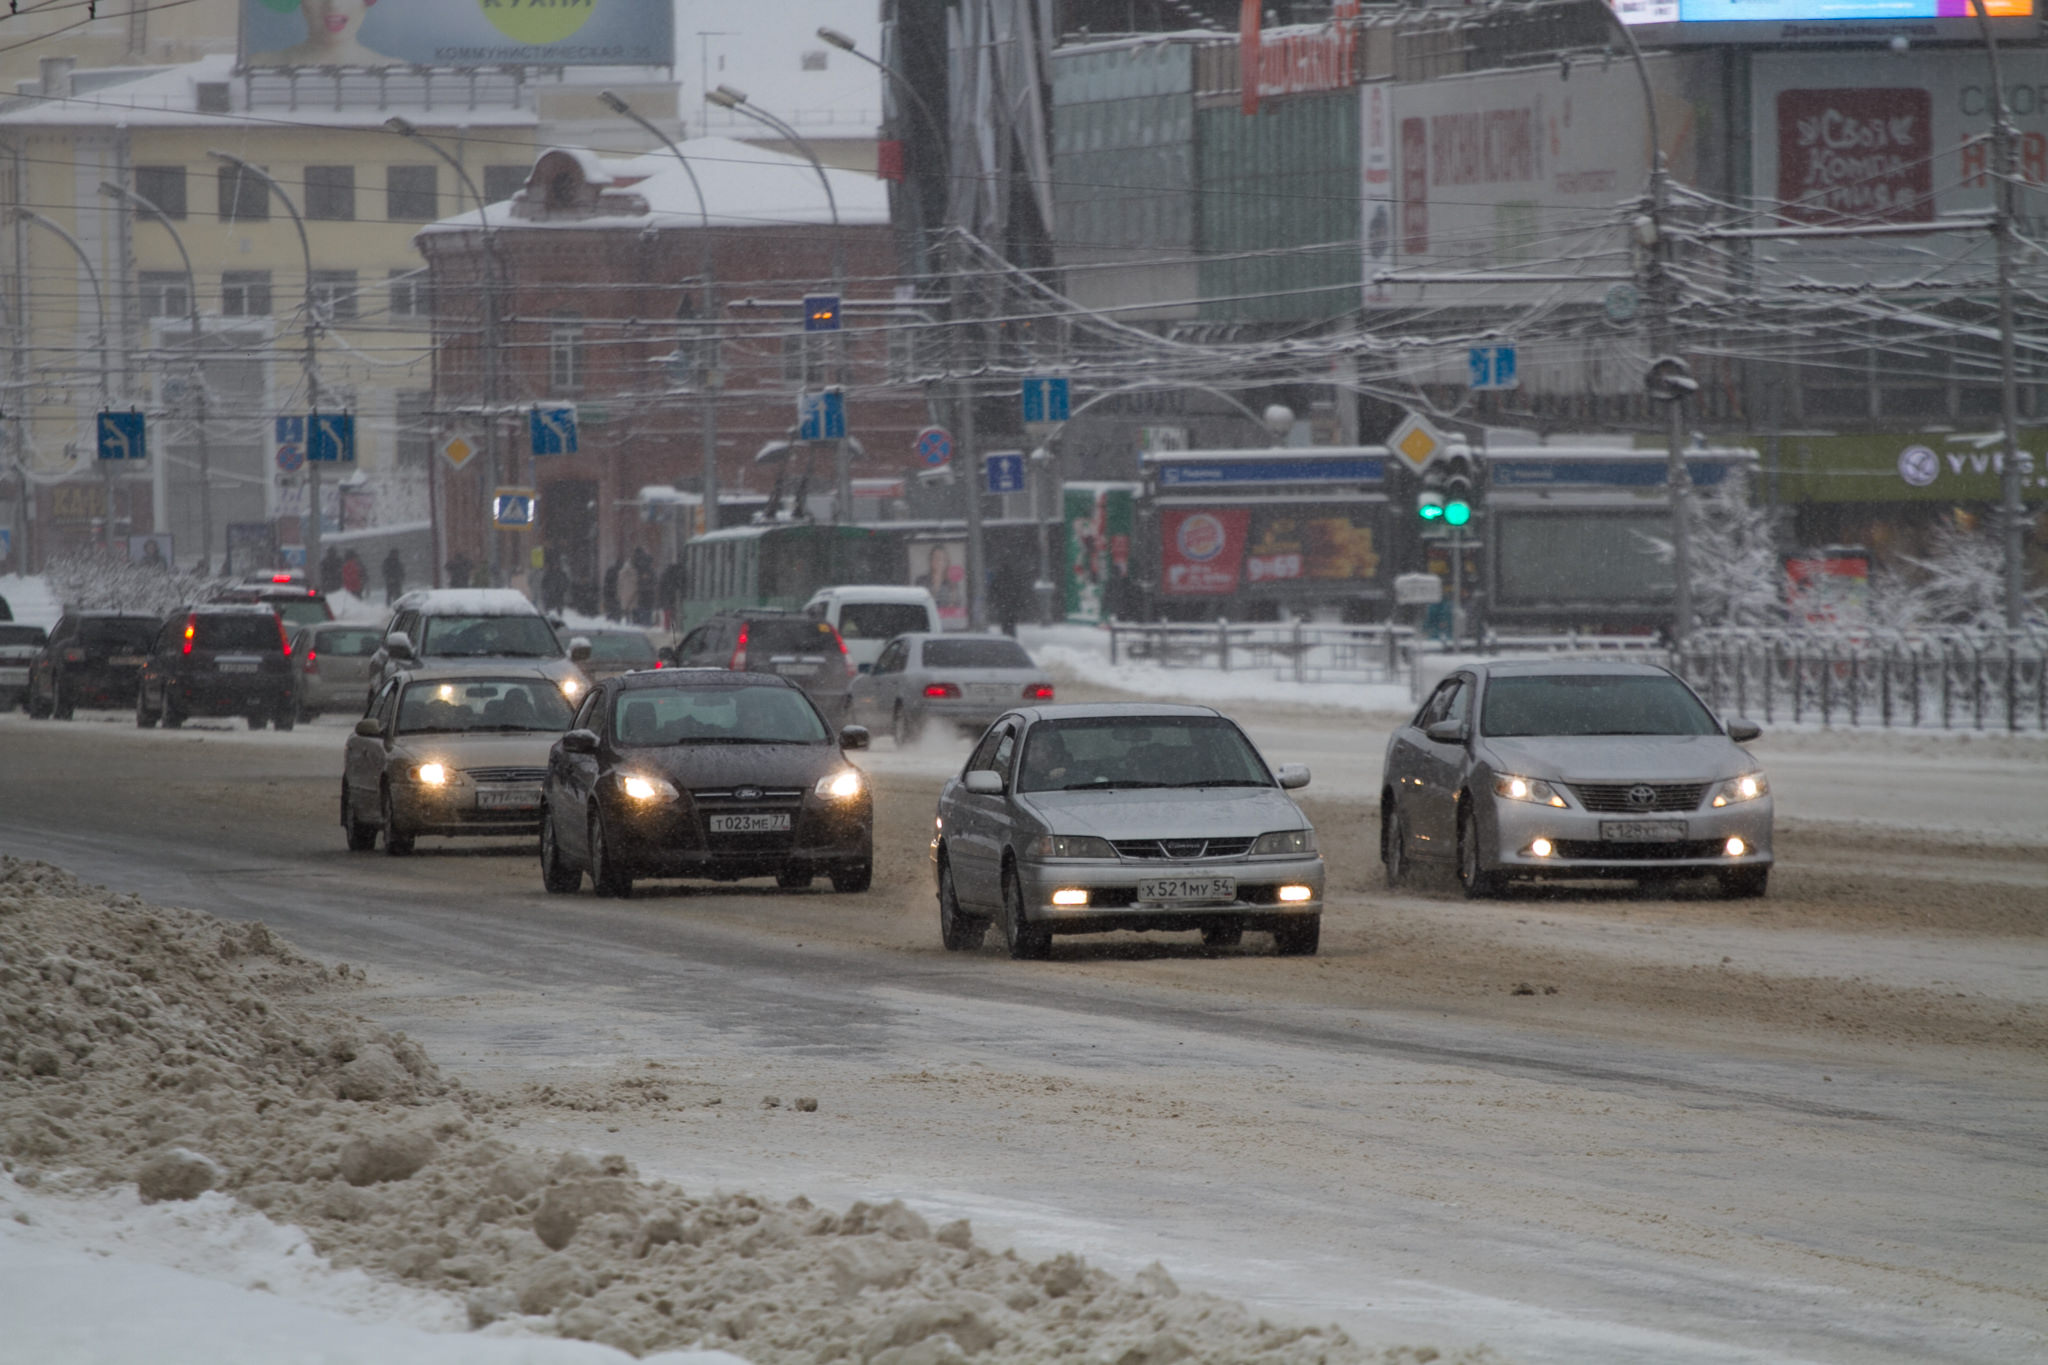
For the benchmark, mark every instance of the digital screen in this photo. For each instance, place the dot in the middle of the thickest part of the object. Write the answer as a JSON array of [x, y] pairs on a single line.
[[1777, 20]]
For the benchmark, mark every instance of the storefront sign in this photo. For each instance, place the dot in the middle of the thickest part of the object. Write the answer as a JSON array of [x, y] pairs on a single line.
[[1856, 155], [458, 33], [1295, 60], [1949, 467], [1199, 475]]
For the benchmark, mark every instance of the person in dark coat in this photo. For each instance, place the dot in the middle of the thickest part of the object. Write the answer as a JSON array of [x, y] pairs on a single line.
[[330, 570], [394, 576], [554, 586], [352, 573], [611, 589]]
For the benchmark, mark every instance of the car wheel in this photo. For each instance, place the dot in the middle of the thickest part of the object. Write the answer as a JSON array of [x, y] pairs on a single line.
[[397, 842], [1226, 935], [60, 704], [255, 719], [362, 836], [1746, 883], [606, 878], [1393, 846], [959, 931], [903, 729], [1478, 882], [1025, 940], [1299, 937], [853, 878], [555, 873], [794, 878], [169, 713], [285, 717], [143, 720], [36, 710]]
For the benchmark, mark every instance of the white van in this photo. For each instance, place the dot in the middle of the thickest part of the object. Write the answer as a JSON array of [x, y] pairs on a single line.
[[868, 616]]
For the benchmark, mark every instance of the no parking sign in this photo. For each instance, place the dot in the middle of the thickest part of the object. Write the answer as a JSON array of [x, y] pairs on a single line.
[[934, 446]]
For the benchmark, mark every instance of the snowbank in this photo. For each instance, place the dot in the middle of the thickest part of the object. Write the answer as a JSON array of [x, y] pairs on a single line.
[[1080, 654]]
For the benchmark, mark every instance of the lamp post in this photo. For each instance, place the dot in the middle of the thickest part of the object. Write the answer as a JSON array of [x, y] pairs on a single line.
[[99, 302], [708, 354], [309, 525], [931, 121], [144, 205]]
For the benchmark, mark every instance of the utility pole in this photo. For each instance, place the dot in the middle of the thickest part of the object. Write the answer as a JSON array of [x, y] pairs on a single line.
[[2005, 163]]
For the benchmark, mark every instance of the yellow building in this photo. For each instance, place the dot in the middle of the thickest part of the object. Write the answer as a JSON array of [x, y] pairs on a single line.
[[324, 143], [122, 33]]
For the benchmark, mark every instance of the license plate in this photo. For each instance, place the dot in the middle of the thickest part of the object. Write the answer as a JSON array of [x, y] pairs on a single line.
[[236, 666], [509, 798], [751, 822], [1170, 889], [991, 692], [798, 670], [1642, 831], [127, 661]]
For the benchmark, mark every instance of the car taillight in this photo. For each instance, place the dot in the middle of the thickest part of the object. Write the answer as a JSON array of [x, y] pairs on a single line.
[[739, 653], [661, 663], [280, 578], [845, 657], [1038, 692], [941, 690], [284, 641], [74, 656], [312, 661], [191, 630]]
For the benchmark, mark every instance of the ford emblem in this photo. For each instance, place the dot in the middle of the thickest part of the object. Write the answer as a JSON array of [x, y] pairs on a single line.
[[747, 793]]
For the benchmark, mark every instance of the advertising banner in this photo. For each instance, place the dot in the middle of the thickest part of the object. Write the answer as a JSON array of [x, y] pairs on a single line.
[[1202, 551], [1290, 547], [457, 33], [1095, 563], [940, 567]]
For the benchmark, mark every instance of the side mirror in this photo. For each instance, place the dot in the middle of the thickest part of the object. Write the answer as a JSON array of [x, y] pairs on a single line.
[[1743, 731], [579, 649], [853, 736], [1292, 776], [579, 742], [982, 782], [667, 654], [867, 668], [369, 727], [1447, 732], [398, 645]]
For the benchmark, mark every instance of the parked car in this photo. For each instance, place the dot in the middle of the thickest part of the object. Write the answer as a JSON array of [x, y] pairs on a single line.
[[1084, 819], [218, 659], [1570, 768], [869, 615], [698, 773], [331, 666], [19, 646], [961, 680], [616, 650], [437, 626], [804, 649], [296, 602], [92, 658], [458, 751]]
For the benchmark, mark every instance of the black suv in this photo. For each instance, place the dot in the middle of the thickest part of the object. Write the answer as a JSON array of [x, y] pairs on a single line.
[[286, 594], [788, 644], [92, 659], [218, 659]]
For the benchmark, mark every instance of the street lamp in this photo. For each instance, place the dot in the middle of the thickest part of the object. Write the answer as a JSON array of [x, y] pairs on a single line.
[[99, 301], [128, 196], [931, 120], [309, 525]]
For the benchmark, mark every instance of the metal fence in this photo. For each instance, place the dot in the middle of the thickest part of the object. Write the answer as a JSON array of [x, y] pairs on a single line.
[[1301, 651], [1945, 680]]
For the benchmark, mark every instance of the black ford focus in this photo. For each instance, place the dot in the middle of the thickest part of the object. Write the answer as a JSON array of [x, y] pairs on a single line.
[[703, 773]]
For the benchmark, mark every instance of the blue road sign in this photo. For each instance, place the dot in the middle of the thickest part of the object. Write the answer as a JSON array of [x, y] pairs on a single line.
[[1045, 399], [553, 430], [122, 436], [821, 312], [1492, 367], [821, 416], [512, 508], [934, 446], [1005, 472], [291, 443], [331, 437]]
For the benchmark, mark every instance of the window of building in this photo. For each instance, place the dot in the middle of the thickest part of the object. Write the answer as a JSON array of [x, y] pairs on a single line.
[[334, 295], [411, 300], [163, 186], [245, 293], [565, 354], [502, 182], [415, 428], [244, 196], [165, 294], [412, 194], [331, 193]]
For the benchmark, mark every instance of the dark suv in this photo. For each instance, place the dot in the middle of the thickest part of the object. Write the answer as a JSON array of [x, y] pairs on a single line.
[[218, 659], [286, 594], [92, 659], [788, 644]]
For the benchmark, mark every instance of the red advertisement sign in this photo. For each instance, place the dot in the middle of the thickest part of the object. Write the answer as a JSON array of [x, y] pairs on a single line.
[[1856, 155], [1415, 186], [1296, 59], [1202, 551]]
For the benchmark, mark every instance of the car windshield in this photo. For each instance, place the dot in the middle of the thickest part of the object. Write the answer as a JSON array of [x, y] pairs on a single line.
[[621, 649], [790, 635], [118, 632], [506, 637], [458, 705], [1106, 752], [238, 633], [21, 635], [975, 654], [348, 644], [880, 620], [716, 715], [1592, 704], [300, 611]]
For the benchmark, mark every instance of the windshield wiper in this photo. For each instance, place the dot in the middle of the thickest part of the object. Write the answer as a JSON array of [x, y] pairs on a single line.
[[1217, 782], [1110, 784]]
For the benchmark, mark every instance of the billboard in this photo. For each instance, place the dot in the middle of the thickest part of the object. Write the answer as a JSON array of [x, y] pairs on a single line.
[[1822, 21], [1284, 549], [1096, 559], [457, 33]]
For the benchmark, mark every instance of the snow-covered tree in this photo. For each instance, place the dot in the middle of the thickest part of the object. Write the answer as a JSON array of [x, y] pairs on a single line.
[[1738, 578], [99, 579], [1963, 578]]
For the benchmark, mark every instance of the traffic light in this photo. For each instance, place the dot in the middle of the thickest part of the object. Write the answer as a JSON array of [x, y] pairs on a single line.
[[1429, 505], [1461, 487], [821, 312]]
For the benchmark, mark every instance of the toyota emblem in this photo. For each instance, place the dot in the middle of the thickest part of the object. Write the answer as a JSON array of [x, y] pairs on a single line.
[[1642, 794], [747, 793]]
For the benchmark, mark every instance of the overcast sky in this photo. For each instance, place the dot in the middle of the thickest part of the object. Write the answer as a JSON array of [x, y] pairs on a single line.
[[760, 46]]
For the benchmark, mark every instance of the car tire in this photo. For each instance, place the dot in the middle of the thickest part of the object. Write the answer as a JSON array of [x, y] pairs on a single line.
[[1299, 937], [1226, 935], [794, 878], [555, 872], [362, 837], [958, 930], [169, 713], [1393, 846], [143, 720], [605, 876], [397, 842], [1746, 883], [284, 717], [35, 709], [1477, 882], [904, 730], [60, 705], [255, 720], [851, 879], [1026, 941]]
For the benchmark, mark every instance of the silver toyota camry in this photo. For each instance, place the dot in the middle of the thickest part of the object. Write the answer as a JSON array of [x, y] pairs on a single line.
[[1569, 768], [1084, 819]]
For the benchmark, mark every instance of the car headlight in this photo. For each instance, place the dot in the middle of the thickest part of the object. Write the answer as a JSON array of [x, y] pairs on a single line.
[[842, 786], [570, 687], [1285, 841], [431, 774], [1747, 787], [1072, 846], [647, 788], [1532, 789]]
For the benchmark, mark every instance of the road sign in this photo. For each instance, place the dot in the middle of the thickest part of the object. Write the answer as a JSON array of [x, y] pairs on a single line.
[[513, 509], [1493, 367], [458, 448], [1418, 589], [1416, 442], [291, 457], [821, 416], [1005, 471], [553, 429], [821, 312], [934, 446], [121, 436], [331, 437], [1045, 399]]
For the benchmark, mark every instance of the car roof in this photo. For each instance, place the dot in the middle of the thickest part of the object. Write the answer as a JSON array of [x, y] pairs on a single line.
[[108, 614], [470, 672], [469, 602], [1093, 710], [1568, 667], [224, 609], [874, 592], [641, 679], [957, 635]]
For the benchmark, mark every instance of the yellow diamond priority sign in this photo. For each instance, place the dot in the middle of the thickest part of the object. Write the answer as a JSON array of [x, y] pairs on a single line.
[[1416, 442], [458, 448]]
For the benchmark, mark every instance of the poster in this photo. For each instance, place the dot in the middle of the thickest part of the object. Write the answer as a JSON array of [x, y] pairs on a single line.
[[1288, 546], [457, 33], [1095, 562], [940, 568], [1201, 551]]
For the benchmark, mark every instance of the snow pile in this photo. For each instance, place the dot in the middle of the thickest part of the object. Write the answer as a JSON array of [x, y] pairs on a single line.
[[1080, 655], [188, 1058], [94, 579]]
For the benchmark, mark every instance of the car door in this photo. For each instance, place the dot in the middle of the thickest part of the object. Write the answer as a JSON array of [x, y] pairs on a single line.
[[150, 686], [42, 675], [980, 824], [874, 692], [572, 778], [365, 757], [1439, 770]]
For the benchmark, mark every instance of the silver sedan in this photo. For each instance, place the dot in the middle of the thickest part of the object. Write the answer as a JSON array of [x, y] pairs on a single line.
[[959, 680], [1569, 768], [1084, 819]]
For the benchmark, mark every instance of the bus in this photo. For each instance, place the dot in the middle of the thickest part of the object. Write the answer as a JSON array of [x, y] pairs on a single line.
[[780, 566]]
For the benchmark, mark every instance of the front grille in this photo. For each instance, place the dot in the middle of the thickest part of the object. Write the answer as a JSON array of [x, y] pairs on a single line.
[[1614, 798], [1182, 850], [507, 774], [756, 796], [1602, 850]]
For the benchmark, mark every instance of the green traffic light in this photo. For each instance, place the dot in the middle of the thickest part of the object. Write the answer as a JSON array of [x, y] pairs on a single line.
[[1456, 513], [1429, 511]]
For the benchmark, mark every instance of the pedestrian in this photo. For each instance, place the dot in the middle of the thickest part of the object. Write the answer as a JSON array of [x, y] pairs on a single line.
[[458, 570], [352, 574], [330, 570], [629, 592], [554, 584], [394, 576], [643, 579], [672, 586], [611, 589]]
